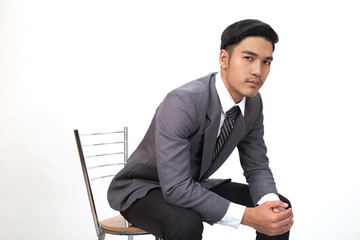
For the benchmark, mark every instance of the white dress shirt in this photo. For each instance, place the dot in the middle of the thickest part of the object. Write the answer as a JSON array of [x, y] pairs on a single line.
[[235, 211]]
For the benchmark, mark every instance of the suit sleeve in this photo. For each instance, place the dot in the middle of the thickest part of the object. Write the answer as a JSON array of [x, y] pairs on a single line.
[[176, 122], [255, 163]]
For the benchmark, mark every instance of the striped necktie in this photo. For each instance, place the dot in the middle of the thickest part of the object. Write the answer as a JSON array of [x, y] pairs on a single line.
[[226, 128]]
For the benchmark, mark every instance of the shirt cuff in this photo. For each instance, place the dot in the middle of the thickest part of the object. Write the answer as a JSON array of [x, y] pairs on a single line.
[[233, 215]]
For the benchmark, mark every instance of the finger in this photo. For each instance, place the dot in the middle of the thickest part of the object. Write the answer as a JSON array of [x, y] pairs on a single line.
[[278, 210], [277, 204], [287, 222], [287, 227], [285, 214], [281, 229], [284, 227], [282, 213]]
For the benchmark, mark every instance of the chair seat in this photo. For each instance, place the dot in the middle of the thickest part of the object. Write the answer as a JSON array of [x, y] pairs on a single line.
[[118, 224]]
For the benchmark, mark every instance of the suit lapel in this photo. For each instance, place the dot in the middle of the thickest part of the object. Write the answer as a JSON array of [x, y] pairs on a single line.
[[211, 127], [210, 135]]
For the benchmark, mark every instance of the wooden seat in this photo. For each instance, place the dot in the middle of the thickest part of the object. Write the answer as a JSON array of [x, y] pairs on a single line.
[[119, 224]]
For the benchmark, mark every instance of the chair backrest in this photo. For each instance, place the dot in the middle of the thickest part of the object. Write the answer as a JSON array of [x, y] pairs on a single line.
[[102, 155]]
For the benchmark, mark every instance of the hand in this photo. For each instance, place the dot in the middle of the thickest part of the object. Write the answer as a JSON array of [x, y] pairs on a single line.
[[270, 218]]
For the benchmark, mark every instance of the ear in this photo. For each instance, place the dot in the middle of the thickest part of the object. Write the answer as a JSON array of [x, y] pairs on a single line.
[[224, 59]]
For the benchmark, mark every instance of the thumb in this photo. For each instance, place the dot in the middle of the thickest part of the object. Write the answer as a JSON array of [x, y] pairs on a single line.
[[278, 204]]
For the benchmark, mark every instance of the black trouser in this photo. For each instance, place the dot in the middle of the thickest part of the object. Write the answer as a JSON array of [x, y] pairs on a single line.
[[168, 222]]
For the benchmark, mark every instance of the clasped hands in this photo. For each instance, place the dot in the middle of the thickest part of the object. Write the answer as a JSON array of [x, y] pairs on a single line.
[[270, 218]]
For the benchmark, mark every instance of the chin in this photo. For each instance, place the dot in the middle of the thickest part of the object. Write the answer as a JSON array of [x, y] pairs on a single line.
[[251, 95]]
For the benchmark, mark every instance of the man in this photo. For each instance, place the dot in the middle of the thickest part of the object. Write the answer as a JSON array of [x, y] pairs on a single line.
[[165, 187]]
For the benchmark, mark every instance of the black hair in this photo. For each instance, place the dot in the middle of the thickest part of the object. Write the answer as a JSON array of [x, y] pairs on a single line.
[[236, 32]]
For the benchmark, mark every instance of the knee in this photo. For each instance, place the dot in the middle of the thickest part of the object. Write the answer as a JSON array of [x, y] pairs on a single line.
[[285, 200], [189, 226]]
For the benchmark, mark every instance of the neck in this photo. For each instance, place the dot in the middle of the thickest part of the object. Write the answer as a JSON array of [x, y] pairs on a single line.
[[236, 98]]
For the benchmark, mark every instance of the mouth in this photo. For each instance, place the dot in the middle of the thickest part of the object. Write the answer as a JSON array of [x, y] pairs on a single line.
[[254, 83]]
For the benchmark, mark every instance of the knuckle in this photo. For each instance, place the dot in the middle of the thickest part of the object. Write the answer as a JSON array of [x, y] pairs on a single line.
[[273, 227], [272, 233]]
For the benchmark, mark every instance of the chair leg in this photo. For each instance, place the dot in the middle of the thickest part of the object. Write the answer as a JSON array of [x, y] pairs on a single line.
[[101, 236]]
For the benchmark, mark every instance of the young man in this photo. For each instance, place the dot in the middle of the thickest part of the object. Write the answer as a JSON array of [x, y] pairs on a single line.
[[165, 187]]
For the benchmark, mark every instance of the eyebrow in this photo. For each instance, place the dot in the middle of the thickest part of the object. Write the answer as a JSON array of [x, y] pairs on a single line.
[[255, 54]]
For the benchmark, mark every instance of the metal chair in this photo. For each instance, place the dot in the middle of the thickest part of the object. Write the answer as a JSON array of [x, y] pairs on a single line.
[[102, 155]]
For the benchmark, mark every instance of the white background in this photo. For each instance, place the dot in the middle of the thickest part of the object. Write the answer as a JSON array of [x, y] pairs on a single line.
[[104, 64]]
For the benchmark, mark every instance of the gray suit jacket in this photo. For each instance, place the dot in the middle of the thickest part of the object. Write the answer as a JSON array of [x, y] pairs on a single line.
[[176, 153]]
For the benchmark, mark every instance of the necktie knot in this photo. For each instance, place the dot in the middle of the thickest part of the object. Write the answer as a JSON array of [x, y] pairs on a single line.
[[233, 112]]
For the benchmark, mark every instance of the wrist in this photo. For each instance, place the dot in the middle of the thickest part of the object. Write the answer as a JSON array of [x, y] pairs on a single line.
[[246, 217]]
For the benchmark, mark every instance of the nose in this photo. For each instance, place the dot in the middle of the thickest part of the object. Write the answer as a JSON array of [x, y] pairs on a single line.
[[256, 69]]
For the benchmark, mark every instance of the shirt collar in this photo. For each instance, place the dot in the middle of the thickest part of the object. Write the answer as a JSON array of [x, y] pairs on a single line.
[[226, 100]]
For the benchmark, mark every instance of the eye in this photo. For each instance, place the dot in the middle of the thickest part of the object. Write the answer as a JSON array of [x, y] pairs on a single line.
[[267, 62], [248, 58]]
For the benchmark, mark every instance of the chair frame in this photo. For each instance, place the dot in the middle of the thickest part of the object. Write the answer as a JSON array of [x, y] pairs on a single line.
[[116, 225]]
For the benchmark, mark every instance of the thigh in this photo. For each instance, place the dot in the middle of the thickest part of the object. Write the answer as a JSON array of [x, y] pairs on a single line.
[[239, 193], [154, 215], [235, 192]]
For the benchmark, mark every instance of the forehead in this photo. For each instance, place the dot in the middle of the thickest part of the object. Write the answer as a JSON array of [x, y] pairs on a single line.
[[258, 45]]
